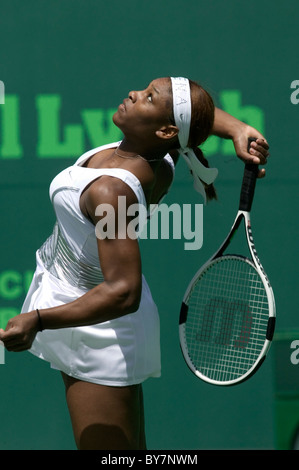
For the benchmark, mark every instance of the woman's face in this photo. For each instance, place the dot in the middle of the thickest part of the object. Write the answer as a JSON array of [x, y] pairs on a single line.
[[146, 111]]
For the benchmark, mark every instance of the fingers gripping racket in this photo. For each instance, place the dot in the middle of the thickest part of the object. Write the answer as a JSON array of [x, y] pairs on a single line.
[[227, 316]]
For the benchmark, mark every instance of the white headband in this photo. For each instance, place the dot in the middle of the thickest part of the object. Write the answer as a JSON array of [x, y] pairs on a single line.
[[182, 116]]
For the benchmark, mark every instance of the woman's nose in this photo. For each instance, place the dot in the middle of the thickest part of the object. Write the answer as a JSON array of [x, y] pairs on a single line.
[[133, 96]]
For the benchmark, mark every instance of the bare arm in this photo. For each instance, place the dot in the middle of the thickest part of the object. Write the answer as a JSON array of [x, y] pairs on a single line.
[[228, 127], [118, 295]]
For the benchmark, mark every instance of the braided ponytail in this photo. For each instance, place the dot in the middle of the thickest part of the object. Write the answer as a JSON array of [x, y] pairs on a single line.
[[202, 121]]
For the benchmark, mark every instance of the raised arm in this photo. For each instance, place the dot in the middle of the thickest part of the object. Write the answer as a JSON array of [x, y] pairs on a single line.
[[228, 127]]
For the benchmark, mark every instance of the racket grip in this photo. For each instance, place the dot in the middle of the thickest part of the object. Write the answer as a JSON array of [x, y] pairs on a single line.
[[248, 184]]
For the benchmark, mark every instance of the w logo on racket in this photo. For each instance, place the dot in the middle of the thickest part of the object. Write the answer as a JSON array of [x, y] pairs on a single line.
[[224, 320]]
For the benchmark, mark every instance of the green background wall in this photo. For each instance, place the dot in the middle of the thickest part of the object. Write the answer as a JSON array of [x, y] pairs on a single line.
[[66, 64]]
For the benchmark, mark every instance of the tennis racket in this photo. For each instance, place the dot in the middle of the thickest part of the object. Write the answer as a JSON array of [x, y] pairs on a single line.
[[227, 316]]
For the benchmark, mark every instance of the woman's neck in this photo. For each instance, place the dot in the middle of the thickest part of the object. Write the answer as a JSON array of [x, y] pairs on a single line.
[[152, 153]]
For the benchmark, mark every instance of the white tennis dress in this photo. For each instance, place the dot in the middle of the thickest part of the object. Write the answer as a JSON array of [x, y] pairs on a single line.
[[119, 352]]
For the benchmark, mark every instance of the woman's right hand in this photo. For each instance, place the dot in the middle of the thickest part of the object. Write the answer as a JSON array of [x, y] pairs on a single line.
[[258, 151]]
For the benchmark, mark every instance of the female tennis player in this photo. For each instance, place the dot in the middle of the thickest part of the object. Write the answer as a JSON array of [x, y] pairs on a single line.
[[89, 311]]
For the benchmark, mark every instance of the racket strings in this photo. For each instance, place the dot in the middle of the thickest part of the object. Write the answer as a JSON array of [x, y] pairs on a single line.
[[227, 319]]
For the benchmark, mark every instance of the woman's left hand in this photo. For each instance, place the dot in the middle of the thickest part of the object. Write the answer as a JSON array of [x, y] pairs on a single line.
[[20, 332]]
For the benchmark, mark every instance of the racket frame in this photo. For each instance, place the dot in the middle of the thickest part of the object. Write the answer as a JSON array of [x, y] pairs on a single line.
[[256, 264], [243, 214]]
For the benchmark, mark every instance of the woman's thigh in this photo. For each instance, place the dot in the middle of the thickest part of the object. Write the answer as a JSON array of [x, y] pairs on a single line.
[[105, 418]]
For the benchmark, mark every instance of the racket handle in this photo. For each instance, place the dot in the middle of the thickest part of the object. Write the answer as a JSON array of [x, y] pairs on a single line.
[[248, 184]]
